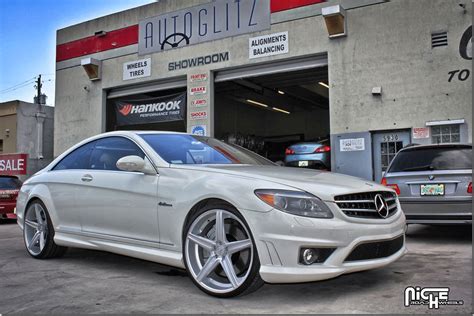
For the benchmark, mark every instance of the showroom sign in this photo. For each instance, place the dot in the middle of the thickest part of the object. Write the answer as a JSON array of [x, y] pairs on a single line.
[[137, 69], [198, 61], [13, 164], [352, 144], [202, 23], [268, 45], [163, 109]]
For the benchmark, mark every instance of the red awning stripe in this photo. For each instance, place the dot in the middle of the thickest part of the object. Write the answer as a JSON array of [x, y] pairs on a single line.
[[129, 35]]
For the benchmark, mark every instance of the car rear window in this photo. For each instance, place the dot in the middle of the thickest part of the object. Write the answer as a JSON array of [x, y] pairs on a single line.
[[448, 158], [9, 183]]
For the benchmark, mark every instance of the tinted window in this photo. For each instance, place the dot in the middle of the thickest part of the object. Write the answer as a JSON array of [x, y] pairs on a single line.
[[9, 183], [109, 150], [78, 159], [448, 158], [191, 149]]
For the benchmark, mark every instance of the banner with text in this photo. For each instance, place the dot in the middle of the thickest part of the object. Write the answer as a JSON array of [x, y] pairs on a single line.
[[164, 109]]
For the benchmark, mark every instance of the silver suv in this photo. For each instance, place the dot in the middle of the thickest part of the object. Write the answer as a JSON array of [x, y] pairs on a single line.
[[434, 183]]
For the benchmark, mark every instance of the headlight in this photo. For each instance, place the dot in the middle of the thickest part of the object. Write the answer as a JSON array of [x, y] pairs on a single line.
[[296, 203]]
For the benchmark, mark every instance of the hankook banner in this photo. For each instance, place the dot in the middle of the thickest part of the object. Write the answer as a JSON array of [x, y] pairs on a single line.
[[164, 109]]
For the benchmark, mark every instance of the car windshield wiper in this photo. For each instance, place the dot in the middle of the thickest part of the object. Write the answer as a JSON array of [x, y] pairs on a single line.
[[419, 168]]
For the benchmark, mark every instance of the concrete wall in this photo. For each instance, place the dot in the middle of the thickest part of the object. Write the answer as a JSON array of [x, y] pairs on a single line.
[[388, 45], [8, 126]]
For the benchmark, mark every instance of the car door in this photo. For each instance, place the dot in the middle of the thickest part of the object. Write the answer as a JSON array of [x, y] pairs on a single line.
[[115, 203], [63, 181]]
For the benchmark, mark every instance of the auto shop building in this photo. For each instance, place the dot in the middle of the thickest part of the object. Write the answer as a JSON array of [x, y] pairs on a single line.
[[371, 75]]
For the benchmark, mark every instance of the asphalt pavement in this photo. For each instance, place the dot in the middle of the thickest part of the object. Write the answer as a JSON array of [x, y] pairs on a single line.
[[85, 281]]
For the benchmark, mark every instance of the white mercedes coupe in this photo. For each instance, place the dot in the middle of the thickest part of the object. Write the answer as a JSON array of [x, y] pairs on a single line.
[[231, 218]]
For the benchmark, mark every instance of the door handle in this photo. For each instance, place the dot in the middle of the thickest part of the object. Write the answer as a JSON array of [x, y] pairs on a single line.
[[87, 178]]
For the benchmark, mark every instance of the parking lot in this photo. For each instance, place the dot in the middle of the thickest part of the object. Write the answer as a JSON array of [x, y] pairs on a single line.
[[86, 281]]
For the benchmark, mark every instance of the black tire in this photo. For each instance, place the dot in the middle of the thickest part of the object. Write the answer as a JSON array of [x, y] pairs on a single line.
[[50, 250], [253, 281]]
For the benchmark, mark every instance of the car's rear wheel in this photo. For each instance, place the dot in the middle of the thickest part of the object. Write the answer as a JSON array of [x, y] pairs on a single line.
[[38, 233], [220, 253]]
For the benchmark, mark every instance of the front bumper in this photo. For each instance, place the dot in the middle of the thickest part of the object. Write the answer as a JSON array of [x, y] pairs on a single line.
[[279, 237]]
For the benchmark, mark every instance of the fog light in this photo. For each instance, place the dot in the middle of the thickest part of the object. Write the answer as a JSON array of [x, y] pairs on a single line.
[[310, 256]]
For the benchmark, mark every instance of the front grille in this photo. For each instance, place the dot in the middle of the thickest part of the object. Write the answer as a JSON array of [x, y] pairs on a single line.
[[363, 204], [376, 250]]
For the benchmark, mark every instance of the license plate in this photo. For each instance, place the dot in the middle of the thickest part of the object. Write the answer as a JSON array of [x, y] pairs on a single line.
[[4, 196], [303, 163], [432, 189]]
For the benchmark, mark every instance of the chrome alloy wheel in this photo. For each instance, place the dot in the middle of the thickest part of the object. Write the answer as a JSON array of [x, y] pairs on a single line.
[[219, 251], [36, 229]]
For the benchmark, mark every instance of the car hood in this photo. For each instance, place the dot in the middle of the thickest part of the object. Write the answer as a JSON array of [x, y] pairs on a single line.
[[323, 184]]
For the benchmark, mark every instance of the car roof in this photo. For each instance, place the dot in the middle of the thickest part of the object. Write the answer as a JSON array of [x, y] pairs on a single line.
[[414, 147]]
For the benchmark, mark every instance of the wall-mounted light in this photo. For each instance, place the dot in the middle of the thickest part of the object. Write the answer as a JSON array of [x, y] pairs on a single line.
[[377, 91], [335, 18], [93, 68]]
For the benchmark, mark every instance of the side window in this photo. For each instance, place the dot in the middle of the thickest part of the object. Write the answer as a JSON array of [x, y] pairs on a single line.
[[77, 159], [109, 150]]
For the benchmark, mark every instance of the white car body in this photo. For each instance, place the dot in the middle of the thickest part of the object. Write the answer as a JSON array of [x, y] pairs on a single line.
[[143, 216]]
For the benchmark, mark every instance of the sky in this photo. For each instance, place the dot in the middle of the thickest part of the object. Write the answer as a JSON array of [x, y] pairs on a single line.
[[28, 40]]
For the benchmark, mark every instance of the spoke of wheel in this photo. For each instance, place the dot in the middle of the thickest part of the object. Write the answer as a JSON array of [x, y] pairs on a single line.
[[239, 245], [33, 241], [39, 219], [220, 227], [202, 241], [42, 240], [228, 267], [31, 224], [210, 265]]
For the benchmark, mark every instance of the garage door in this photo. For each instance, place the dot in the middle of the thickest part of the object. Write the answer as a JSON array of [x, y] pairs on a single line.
[[168, 84], [268, 68]]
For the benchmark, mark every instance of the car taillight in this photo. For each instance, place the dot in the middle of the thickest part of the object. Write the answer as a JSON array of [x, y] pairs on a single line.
[[289, 151], [469, 188], [323, 149], [393, 186]]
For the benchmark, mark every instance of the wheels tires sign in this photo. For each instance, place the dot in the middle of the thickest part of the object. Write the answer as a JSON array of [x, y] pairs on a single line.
[[164, 109]]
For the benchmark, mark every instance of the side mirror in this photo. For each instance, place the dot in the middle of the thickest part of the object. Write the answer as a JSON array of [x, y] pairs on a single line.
[[135, 164]]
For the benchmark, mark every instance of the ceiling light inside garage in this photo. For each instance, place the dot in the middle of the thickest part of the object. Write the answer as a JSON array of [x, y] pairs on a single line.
[[280, 110], [257, 103], [324, 84], [281, 92]]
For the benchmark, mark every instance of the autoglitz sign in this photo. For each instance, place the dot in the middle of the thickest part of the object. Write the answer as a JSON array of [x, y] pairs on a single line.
[[163, 109], [203, 23]]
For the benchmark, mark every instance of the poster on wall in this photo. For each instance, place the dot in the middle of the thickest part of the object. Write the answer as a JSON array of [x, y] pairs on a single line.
[[163, 109], [13, 164], [352, 144]]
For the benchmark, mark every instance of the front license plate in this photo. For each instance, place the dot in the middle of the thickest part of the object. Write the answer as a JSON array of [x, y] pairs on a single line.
[[432, 189], [303, 163]]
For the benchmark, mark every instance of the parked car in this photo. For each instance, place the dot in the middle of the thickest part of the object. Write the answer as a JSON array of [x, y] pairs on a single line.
[[9, 187], [434, 183], [314, 155], [232, 218]]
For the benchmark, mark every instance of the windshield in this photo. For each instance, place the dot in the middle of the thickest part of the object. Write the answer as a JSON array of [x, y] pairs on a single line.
[[423, 159], [191, 149], [9, 183]]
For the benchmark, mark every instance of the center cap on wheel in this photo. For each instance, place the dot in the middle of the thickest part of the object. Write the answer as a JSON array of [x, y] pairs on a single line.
[[221, 250]]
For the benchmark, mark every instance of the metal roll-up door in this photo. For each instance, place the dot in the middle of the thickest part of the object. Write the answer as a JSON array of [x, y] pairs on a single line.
[[272, 67], [179, 82]]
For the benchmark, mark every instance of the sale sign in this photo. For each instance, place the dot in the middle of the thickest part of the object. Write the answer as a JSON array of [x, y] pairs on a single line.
[[13, 164]]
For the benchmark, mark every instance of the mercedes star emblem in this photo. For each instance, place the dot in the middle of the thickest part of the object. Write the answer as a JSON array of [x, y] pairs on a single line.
[[381, 206]]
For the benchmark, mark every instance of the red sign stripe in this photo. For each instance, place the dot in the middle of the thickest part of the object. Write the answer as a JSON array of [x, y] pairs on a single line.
[[129, 35], [94, 44], [283, 5]]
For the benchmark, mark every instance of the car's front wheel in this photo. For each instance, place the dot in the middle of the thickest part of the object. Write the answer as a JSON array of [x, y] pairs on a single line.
[[38, 233], [220, 253]]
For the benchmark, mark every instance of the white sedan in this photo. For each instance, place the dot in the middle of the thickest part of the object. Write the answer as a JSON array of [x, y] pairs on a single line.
[[231, 218]]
